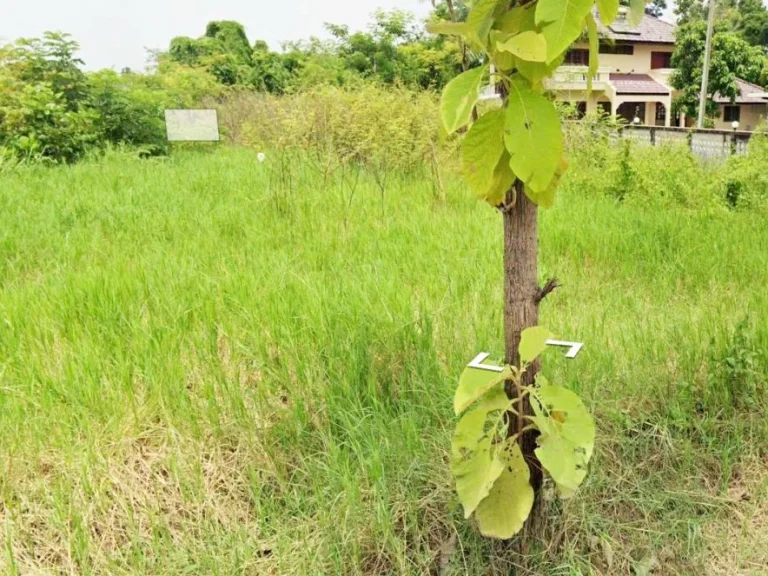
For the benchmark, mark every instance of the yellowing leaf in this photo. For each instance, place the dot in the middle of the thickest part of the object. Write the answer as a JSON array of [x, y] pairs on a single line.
[[560, 459], [574, 422], [562, 22], [459, 97], [503, 61], [503, 178], [533, 341], [567, 436], [546, 199], [608, 10], [449, 28], [594, 50], [472, 385], [528, 46], [475, 462], [516, 20], [636, 12], [535, 71], [503, 512], [533, 136], [481, 150]]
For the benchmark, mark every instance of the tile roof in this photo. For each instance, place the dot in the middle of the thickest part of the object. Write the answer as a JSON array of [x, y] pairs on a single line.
[[745, 89], [637, 84], [650, 30]]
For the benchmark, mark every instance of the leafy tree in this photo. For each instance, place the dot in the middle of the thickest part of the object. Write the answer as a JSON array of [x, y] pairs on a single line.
[[732, 57], [513, 158], [746, 18], [690, 11], [232, 38], [51, 60], [41, 93], [656, 8]]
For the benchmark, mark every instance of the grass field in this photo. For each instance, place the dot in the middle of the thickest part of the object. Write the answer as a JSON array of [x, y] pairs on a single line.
[[211, 366]]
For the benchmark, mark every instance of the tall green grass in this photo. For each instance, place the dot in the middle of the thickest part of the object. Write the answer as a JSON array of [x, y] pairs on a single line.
[[213, 366]]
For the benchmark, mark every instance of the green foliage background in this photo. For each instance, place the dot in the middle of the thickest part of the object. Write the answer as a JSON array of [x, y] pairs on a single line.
[[54, 111]]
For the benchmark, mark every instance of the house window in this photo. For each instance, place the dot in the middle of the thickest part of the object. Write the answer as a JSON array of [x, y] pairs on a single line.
[[661, 114], [604, 108], [626, 49], [577, 57], [661, 60], [731, 113]]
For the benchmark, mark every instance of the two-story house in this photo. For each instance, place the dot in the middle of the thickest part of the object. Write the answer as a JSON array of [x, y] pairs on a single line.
[[633, 79]]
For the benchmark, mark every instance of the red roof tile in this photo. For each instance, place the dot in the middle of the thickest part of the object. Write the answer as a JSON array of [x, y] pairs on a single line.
[[637, 84]]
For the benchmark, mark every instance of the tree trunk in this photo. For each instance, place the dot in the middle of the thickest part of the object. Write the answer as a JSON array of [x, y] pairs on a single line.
[[521, 308]]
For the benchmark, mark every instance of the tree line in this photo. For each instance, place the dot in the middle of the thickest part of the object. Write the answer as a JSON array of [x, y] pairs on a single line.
[[50, 108]]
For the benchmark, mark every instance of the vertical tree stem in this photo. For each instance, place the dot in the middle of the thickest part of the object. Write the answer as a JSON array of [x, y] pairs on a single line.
[[521, 309]]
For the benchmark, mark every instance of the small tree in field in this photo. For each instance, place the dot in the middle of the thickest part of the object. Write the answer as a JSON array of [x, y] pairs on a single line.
[[513, 157]]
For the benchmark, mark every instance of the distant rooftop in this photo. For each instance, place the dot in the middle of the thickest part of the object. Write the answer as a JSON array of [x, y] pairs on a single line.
[[745, 94], [651, 30]]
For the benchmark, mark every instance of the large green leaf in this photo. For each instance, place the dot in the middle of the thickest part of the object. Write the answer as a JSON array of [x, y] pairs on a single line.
[[533, 341], [515, 20], [503, 512], [480, 19], [475, 459], [528, 46], [533, 136], [594, 50], [562, 22], [608, 10], [473, 383], [567, 435], [459, 97], [636, 12], [481, 150], [536, 71]]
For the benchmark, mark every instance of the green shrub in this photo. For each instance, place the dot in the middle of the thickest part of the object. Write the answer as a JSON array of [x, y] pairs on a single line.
[[51, 110], [36, 123], [126, 114], [744, 182], [392, 127]]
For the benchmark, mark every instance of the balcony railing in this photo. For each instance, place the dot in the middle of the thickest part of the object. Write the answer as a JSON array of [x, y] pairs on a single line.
[[575, 78]]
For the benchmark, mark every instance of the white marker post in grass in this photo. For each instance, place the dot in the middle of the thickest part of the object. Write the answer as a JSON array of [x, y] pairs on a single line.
[[192, 125], [477, 361]]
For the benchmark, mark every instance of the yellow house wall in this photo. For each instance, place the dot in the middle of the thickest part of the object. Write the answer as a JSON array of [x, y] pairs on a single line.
[[582, 96], [637, 63], [751, 115]]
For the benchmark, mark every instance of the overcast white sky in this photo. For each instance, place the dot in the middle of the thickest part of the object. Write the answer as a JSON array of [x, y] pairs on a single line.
[[115, 33]]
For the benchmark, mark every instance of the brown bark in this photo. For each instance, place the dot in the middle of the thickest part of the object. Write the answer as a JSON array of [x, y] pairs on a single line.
[[521, 306]]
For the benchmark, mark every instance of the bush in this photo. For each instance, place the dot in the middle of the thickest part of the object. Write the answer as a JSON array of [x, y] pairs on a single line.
[[744, 181], [36, 122], [126, 114], [395, 127], [51, 110], [665, 176]]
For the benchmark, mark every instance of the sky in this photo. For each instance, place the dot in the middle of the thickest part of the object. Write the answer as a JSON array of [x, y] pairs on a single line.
[[116, 33]]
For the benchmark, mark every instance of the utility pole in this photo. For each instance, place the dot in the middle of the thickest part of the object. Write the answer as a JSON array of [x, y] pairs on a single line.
[[707, 56]]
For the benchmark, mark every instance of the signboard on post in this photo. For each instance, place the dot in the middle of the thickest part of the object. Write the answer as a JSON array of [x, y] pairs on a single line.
[[192, 125]]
